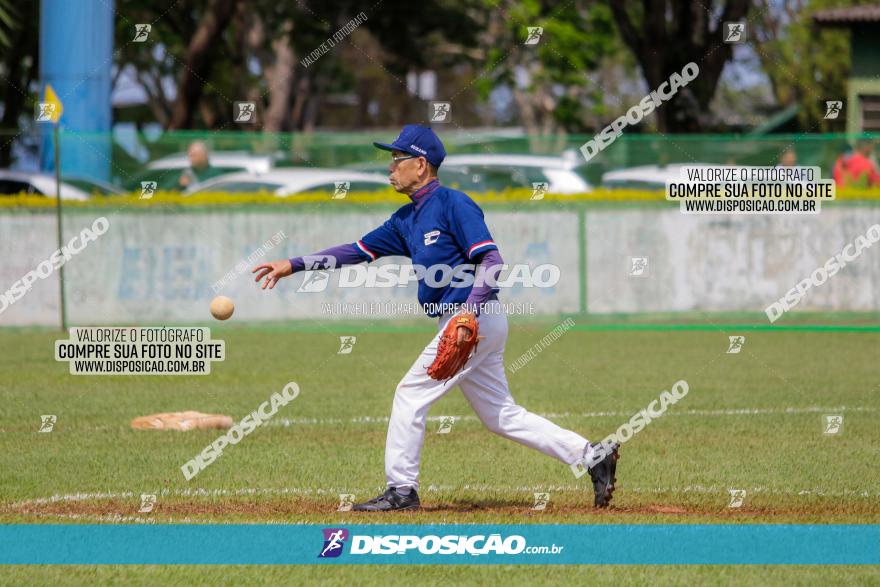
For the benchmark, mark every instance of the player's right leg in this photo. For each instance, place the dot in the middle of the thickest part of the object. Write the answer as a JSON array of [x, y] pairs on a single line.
[[486, 389], [415, 394]]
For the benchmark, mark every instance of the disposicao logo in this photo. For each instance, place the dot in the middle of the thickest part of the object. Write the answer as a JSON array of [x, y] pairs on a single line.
[[334, 540]]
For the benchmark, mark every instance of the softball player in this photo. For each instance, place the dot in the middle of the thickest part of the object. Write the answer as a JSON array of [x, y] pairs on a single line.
[[444, 226]]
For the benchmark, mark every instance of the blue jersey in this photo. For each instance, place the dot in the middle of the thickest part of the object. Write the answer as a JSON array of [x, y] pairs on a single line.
[[447, 228]]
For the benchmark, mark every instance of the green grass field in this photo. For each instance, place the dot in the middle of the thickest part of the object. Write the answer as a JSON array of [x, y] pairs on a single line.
[[751, 421]]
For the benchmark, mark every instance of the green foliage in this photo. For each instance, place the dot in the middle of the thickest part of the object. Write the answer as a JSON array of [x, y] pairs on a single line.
[[575, 39], [515, 197], [7, 21], [806, 64]]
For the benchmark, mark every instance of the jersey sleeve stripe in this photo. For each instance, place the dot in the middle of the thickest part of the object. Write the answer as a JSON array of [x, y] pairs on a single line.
[[364, 248], [479, 246]]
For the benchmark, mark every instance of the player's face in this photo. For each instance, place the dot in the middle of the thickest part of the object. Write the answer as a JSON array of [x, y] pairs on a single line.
[[405, 175]]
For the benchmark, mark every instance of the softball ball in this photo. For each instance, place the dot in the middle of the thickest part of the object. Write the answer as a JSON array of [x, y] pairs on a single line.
[[222, 308]]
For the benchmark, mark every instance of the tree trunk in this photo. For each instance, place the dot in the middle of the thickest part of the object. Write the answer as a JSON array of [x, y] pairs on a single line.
[[280, 80], [663, 48], [23, 43], [303, 91], [198, 63]]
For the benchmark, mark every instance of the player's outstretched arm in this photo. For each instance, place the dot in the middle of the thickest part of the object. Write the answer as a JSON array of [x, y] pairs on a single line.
[[338, 256]]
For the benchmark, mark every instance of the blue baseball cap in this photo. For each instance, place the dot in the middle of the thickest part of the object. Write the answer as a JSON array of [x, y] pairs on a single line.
[[419, 141]]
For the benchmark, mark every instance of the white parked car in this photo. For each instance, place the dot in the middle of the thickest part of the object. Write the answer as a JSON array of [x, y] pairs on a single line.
[[646, 177], [491, 171], [43, 184], [230, 160], [285, 182]]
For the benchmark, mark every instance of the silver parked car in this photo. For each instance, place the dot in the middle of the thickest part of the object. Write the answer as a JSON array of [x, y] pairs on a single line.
[[646, 177], [232, 160], [43, 184], [289, 181], [493, 172], [481, 172]]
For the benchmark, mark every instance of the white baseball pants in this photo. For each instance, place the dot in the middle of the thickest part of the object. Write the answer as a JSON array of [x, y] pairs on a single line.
[[485, 386]]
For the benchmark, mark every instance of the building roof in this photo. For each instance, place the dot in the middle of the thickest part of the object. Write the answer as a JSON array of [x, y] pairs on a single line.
[[851, 15]]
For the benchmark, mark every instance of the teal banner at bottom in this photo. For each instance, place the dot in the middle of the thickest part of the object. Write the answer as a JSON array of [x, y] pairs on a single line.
[[683, 544]]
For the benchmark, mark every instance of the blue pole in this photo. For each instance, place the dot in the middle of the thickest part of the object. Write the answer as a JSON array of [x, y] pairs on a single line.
[[76, 58]]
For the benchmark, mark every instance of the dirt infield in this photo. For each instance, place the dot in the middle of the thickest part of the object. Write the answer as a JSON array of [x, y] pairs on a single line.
[[280, 510]]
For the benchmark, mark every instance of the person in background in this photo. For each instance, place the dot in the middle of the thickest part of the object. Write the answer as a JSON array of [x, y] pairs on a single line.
[[839, 170], [788, 158], [199, 166], [857, 169]]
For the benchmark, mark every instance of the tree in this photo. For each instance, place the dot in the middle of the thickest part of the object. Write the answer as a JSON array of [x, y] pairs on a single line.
[[549, 77], [155, 64], [199, 60], [7, 22], [436, 35], [665, 35], [805, 65], [19, 67]]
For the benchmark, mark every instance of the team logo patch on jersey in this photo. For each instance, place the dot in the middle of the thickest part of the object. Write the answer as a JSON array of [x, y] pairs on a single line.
[[431, 237]]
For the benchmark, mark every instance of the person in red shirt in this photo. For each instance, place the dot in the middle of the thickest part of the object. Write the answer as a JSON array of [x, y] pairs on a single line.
[[838, 172], [857, 169]]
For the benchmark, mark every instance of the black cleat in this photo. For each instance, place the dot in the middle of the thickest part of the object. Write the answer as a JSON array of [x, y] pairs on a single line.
[[390, 501], [603, 475]]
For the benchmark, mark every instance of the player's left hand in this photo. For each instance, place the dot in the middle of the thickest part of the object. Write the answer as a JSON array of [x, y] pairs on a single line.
[[463, 335], [457, 343]]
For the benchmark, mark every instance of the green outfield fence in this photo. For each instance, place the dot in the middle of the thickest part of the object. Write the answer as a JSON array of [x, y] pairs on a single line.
[[158, 261], [610, 226], [132, 151]]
